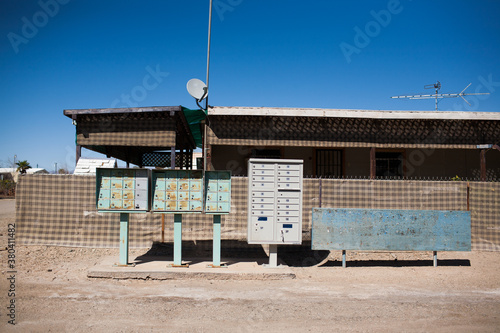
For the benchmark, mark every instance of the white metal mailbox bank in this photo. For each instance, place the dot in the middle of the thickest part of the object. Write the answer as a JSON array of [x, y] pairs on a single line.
[[274, 201]]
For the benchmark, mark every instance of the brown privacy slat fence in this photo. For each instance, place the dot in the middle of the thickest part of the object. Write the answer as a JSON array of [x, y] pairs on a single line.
[[60, 210]]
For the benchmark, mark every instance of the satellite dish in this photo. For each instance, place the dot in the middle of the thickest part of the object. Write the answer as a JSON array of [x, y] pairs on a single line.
[[197, 89]]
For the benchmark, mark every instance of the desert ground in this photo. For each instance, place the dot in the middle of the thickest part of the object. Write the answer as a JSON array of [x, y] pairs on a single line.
[[377, 292]]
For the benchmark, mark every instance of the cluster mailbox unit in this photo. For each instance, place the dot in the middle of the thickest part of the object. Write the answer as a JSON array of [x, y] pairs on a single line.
[[274, 201], [173, 191], [187, 191], [176, 192], [122, 190], [217, 192]]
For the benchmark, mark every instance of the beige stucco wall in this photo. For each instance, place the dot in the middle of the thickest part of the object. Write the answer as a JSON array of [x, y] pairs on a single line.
[[356, 162]]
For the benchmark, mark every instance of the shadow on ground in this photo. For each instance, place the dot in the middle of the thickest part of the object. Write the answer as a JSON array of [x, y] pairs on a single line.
[[293, 255], [397, 263], [234, 251]]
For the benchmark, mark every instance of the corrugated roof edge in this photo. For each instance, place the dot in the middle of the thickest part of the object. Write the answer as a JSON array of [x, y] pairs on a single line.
[[350, 113]]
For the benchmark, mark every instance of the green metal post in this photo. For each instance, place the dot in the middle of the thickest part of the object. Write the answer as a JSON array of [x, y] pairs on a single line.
[[177, 240], [124, 217], [216, 241]]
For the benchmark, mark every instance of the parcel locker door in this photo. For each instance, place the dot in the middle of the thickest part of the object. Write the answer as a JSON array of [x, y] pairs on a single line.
[[262, 229], [288, 232]]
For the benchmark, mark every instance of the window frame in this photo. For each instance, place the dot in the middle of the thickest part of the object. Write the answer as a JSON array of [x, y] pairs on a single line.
[[402, 153], [340, 164]]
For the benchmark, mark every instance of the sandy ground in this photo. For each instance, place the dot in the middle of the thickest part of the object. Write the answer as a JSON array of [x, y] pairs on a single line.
[[377, 293]]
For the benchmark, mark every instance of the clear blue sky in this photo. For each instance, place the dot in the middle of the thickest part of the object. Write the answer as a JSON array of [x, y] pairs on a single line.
[[61, 54]]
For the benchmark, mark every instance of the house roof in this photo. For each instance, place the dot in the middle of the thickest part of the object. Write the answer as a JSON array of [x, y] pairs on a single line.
[[36, 170], [334, 128], [87, 166], [351, 113], [28, 171], [131, 133], [71, 112]]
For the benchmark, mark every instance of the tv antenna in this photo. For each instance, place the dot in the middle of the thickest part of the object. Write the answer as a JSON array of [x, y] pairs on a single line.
[[437, 96]]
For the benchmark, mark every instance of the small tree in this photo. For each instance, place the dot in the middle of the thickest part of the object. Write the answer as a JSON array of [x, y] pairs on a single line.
[[22, 166], [7, 187]]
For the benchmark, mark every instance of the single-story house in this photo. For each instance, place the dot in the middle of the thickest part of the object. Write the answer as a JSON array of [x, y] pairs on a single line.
[[358, 143], [424, 160], [13, 174]]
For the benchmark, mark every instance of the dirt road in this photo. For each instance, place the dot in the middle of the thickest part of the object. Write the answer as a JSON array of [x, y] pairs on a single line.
[[53, 294]]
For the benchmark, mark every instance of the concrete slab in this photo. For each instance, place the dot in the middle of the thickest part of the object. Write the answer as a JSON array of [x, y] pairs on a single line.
[[158, 268]]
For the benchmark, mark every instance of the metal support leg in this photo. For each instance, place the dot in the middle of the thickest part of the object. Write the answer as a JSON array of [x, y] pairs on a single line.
[[343, 259], [435, 258], [216, 243], [178, 241], [273, 256], [124, 217]]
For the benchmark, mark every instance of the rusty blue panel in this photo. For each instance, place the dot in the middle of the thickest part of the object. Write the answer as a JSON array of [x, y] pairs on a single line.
[[390, 229]]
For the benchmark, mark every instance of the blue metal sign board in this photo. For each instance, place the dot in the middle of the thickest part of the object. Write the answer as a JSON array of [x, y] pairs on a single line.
[[390, 229]]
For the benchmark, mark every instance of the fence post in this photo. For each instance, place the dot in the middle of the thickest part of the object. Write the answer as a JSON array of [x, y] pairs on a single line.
[[373, 164], [483, 164]]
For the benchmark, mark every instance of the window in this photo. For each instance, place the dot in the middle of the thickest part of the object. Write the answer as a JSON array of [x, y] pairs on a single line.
[[389, 164], [329, 163]]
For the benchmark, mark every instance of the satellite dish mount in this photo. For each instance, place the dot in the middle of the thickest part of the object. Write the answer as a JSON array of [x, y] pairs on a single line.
[[198, 90]]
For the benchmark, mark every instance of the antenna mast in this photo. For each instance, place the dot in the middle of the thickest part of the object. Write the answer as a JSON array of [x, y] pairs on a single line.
[[438, 96], [436, 86], [208, 49]]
